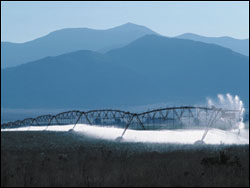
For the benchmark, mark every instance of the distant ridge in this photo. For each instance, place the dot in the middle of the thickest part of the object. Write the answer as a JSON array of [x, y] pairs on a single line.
[[149, 70], [237, 45], [74, 39], [69, 40]]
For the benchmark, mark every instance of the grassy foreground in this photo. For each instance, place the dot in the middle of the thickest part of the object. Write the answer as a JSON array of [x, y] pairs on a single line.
[[71, 159]]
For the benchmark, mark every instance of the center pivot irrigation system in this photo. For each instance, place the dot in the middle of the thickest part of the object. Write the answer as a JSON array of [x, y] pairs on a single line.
[[165, 118]]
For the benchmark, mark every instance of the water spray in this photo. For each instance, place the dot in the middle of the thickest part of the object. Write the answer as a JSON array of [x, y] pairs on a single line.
[[224, 113]]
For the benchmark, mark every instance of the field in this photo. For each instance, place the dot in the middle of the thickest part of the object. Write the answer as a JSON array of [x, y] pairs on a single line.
[[45, 158]]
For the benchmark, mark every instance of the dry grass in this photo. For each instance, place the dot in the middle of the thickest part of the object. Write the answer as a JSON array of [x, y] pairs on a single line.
[[68, 159]]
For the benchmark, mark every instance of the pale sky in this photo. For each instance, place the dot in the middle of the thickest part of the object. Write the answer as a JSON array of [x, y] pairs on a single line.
[[25, 20]]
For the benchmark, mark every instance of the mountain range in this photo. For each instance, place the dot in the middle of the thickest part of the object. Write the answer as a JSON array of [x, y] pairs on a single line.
[[237, 45], [150, 69], [69, 40], [74, 39]]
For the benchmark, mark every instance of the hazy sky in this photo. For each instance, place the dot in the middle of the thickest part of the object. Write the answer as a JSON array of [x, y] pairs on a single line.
[[23, 21]]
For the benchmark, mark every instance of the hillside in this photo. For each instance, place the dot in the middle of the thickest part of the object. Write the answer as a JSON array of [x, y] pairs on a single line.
[[186, 69], [69, 40], [149, 70], [237, 45], [77, 79]]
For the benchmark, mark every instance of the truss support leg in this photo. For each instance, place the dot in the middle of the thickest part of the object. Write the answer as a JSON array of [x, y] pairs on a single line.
[[49, 123], [211, 123], [127, 126], [87, 119], [140, 122], [57, 121], [76, 122]]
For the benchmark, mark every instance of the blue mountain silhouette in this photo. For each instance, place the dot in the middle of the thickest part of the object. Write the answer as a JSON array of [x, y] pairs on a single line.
[[149, 70], [69, 40], [74, 39], [237, 45], [77, 79]]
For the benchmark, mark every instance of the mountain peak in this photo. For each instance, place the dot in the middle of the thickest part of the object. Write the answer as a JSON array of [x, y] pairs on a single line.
[[158, 68], [69, 40], [129, 23], [133, 27]]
